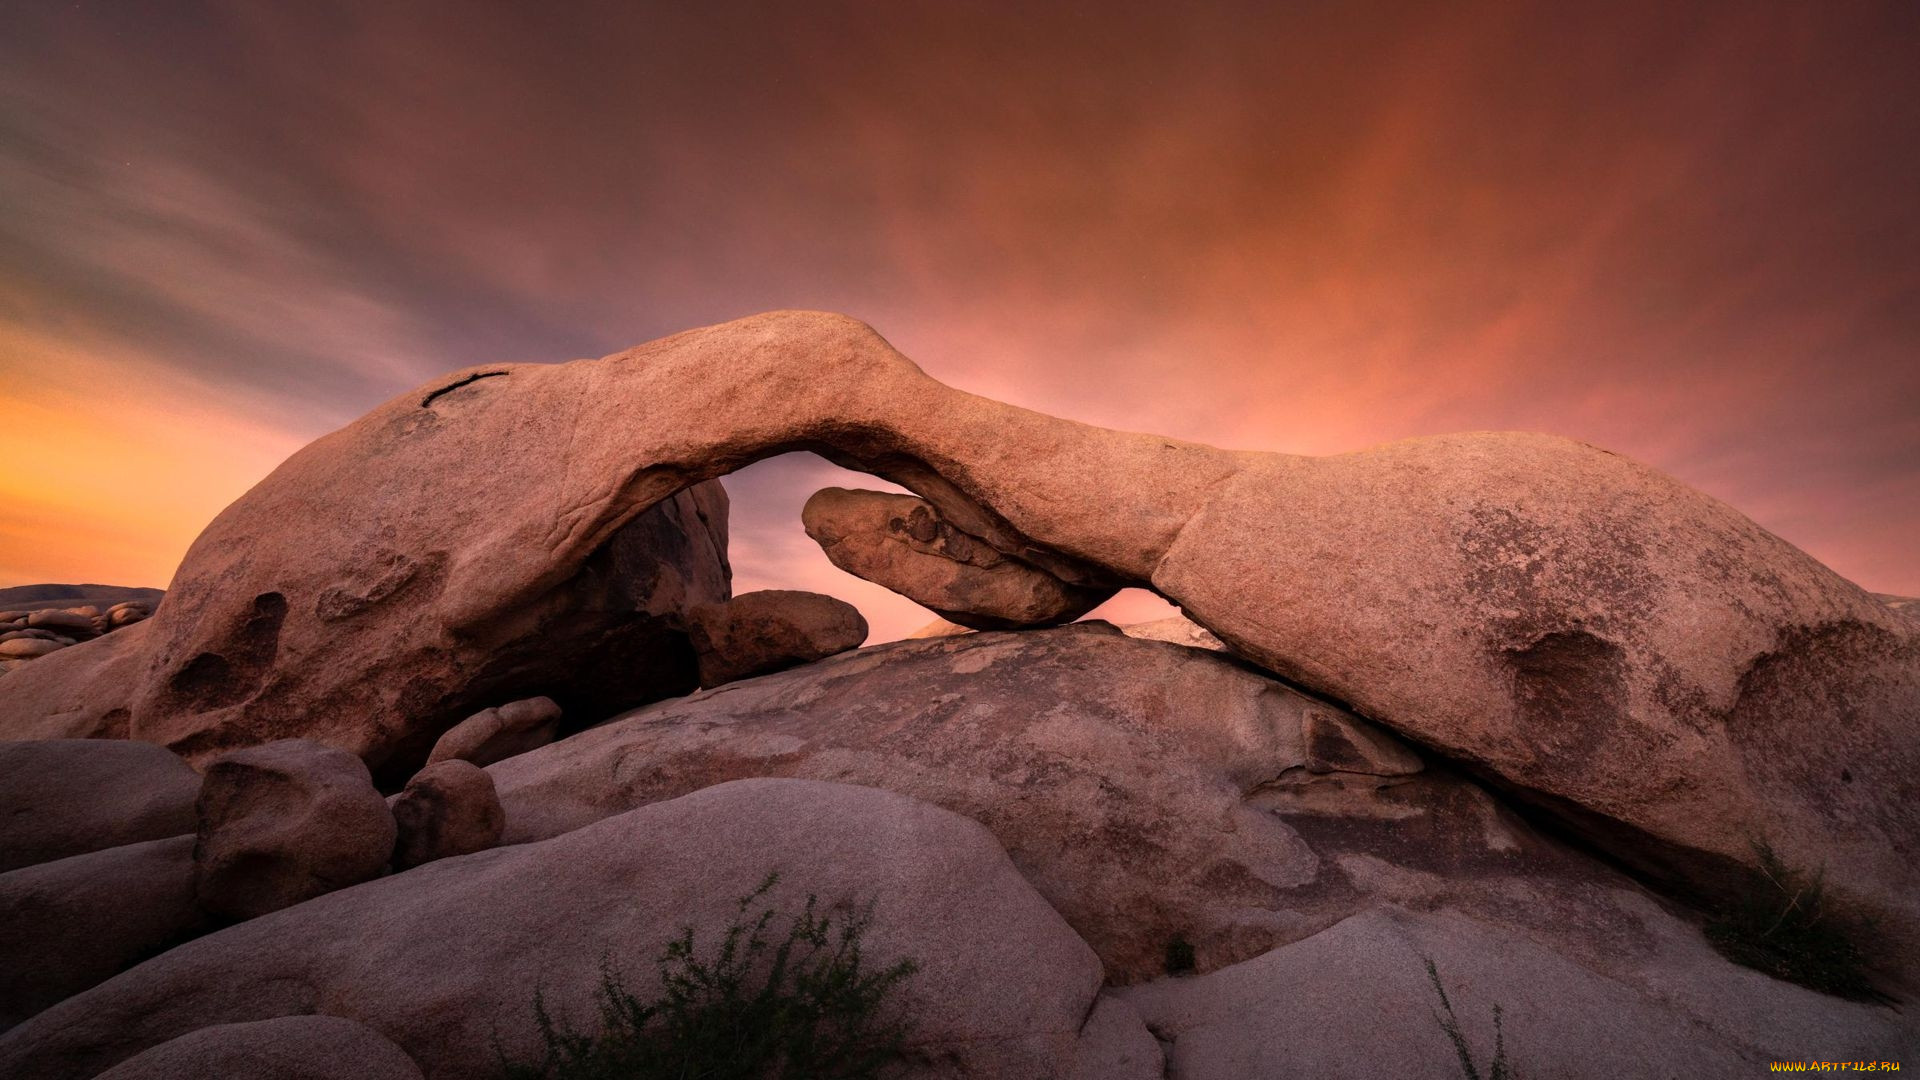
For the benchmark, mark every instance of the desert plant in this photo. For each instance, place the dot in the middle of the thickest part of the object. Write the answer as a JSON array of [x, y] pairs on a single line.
[[804, 1005], [1449, 1023], [1783, 928]]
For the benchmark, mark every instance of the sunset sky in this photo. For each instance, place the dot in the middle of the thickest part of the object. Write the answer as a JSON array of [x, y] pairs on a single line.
[[1686, 232]]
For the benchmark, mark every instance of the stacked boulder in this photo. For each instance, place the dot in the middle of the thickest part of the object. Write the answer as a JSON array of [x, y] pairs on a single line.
[[30, 634]]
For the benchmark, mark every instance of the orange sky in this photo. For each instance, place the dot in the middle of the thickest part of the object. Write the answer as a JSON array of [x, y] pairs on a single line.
[[1685, 232]]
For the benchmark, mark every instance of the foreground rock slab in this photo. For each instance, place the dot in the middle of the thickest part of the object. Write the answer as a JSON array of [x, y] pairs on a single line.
[[283, 823], [76, 922], [1355, 1002], [287, 1048], [442, 959], [64, 797]]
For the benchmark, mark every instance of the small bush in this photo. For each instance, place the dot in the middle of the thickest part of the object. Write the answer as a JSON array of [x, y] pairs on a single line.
[[1180, 959], [1450, 1024], [805, 1006], [1784, 929]]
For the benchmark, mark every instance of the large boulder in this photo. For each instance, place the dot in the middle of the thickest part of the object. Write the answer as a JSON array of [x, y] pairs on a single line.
[[284, 1048], [900, 541], [73, 923], [283, 823], [339, 632], [62, 797], [447, 809], [1625, 652], [758, 632], [492, 734], [1134, 782], [445, 960], [1181, 810]]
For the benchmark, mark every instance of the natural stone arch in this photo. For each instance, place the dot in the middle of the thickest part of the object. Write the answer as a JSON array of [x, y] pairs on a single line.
[[1459, 589]]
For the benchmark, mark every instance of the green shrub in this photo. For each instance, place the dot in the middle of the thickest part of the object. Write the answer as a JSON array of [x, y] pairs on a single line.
[[1784, 929], [805, 1006], [1450, 1024]]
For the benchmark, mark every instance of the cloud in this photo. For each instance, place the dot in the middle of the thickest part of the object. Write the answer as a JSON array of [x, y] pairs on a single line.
[[1683, 233]]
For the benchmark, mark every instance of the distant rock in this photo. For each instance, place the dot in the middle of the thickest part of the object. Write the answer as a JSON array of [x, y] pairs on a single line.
[[1621, 651], [34, 597], [939, 628], [444, 960], [82, 692], [284, 1048], [760, 632], [901, 542], [285, 822], [447, 809], [27, 648], [493, 734], [1177, 630], [70, 796]]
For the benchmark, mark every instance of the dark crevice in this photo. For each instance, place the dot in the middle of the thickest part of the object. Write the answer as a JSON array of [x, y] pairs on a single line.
[[451, 387]]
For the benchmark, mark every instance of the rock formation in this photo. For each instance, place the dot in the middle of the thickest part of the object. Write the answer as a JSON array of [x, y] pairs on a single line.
[[492, 734], [1004, 987], [758, 632], [900, 541], [284, 1048], [71, 796], [1419, 638], [447, 809], [42, 629], [1594, 637], [283, 823]]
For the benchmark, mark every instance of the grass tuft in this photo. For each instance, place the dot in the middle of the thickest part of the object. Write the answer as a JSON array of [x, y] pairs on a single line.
[[1449, 1023], [1784, 929], [765, 1007]]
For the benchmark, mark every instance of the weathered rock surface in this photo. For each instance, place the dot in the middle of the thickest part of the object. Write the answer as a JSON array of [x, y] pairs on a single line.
[[1116, 1045], [901, 542], [447, 809], [1622, 650], [492, 734], [758, 632], [75, 922], [63, 797], [284, 1048], [283, 823], [443, 959], [1153, 792], [1134, 783], [345, 565], [1355, 1001], [83, 692]]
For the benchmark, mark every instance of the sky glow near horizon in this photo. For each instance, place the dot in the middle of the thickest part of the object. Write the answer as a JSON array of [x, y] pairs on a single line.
[[1690, 236]]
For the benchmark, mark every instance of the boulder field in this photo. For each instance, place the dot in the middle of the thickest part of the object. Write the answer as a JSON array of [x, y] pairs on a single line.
[[1506, 702]]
